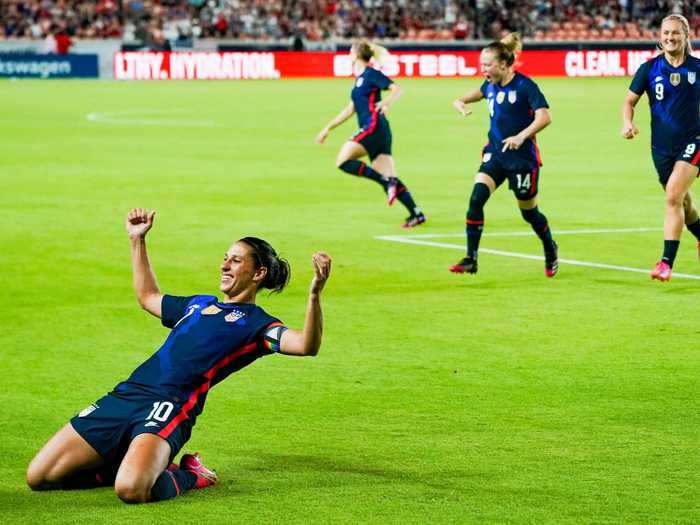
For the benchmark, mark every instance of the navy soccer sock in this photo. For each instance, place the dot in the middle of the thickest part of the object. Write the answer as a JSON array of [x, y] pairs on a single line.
[[539, 224], [172, 482], [360, 169], [89, 479], [670, 251], [475, 217], [405, 198], [694, 228]]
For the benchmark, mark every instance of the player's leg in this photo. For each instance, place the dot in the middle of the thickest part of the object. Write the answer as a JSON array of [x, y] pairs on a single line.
[[692, 220], [65, 461], [538, 221], [396, 189], [348, 161], [677, 187], [484, 185]]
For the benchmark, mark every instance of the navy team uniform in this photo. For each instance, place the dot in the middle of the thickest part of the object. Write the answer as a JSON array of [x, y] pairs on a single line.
[[674, 99], [374, 133], [209, 340], [512, 109]]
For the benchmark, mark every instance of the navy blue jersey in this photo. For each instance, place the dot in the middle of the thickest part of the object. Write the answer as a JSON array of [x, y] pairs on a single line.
[[366, 92], [209, 340], [512, 108], [674, 101]]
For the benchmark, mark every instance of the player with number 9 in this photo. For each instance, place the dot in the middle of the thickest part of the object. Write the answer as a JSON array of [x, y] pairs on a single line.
[[672, 84], [518, 111]]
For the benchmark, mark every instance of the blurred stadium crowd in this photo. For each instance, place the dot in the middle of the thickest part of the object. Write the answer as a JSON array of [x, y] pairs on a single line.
[[318, 20]]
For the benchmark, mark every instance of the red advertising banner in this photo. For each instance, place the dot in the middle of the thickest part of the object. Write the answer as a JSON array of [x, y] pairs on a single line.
[[402, 64]]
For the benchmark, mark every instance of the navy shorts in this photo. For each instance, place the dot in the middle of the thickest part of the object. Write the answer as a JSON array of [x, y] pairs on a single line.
[[523, 181], [689, 153], [112, 422], [375, 138]]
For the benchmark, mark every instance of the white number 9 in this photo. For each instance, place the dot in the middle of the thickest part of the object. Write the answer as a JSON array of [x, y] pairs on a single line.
[[659, 88]]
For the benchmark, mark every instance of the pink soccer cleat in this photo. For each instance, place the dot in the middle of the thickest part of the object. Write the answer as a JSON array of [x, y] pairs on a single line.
[[392, 191], [205, 477], [413, 221], [661, 272], [466, 265], [551, 261]]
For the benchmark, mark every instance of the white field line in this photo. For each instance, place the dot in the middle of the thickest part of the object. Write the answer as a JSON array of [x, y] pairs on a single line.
[[141, 118], [530, 233], [573, 262]]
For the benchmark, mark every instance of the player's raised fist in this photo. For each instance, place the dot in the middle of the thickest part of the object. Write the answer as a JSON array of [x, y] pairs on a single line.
[[138, 222], [322, 269]]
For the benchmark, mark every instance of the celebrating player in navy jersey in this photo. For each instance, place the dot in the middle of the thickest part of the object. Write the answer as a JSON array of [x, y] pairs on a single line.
[[130, 436], [374, 136], [672, 84], [518, 111]]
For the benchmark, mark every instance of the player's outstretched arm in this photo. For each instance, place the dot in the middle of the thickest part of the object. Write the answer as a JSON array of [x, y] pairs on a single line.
[[308, 340], [460, 104], [138, 222], [629, 130], [337, 121]]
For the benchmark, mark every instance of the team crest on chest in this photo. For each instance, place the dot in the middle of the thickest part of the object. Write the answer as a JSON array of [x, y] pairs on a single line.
[[359, 82], [234, 316], [211, 310], [512, 96], [675, 79], [691, 77], [500, 97]]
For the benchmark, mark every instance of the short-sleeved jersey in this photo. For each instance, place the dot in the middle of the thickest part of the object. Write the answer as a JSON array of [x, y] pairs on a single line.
[[366, 92], [674, 101], [209, 340], [512, 108]]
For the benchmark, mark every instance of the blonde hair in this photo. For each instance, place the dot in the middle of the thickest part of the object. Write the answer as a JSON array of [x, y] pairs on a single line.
[[507, 48], [685, 26], [367, 51]]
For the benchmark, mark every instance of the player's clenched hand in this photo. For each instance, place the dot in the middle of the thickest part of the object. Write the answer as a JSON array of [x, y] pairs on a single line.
[[629, 131], [382, 107], [513, 142], [322, 269], [138, 222], [462, 108], [322, 135]]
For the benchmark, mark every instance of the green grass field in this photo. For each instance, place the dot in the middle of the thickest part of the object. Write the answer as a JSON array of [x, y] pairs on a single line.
[[497, 398]]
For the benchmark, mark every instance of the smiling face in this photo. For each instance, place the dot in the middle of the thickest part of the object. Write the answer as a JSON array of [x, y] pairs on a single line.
[[238, 272], [673, 37], [494, 70]]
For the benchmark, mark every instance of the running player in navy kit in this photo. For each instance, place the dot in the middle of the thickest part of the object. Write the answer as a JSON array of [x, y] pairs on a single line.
[[374, 136], [130, 436], [672, 84], [518, 110]]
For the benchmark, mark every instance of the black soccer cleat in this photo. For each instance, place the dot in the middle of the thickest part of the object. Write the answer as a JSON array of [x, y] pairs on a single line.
[[414, 220], [466, 265], [551, 261]]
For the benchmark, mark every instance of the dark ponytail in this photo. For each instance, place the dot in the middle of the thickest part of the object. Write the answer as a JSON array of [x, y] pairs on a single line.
[[277, 268]]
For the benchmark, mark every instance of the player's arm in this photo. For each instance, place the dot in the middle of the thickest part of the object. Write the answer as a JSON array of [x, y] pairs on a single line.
[[542, 120], [308, 340], [395, 92], [138, 222], [337, 121], [629, 130], [460, 104]]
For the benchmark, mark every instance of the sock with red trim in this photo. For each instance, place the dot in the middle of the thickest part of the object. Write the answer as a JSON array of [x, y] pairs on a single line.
[[360, 169], [404, 197], [475, 217], [694, 228], [172, 482], [89, 479], [539, 224]]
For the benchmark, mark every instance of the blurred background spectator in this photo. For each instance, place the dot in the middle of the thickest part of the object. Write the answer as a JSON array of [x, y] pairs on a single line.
[[155, 21]]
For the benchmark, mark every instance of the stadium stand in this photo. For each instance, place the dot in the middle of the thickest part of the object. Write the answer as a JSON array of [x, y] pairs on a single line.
[[318, 20]]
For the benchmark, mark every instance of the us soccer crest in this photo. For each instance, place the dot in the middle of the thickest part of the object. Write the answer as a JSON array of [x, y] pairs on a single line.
[[500, 97], [234, 316], [675, 79], [691, 77], [512, 96]]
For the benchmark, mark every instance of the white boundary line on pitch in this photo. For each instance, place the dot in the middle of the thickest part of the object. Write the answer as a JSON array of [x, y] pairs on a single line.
[[530, 233], [422, 242]]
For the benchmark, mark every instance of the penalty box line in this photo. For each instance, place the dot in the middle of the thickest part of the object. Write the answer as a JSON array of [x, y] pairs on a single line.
[[573, 262]]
